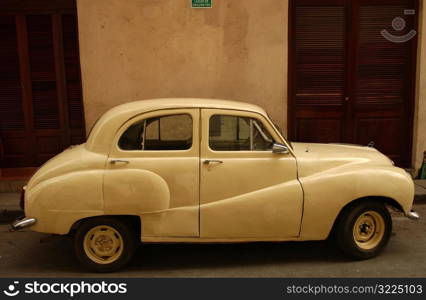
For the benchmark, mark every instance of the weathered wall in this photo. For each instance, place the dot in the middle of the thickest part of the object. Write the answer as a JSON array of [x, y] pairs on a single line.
[[419, 145], [137, 49], [140, 49]]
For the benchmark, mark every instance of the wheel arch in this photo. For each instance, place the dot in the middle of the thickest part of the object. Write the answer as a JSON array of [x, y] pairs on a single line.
[[133, 221], [381, 199]]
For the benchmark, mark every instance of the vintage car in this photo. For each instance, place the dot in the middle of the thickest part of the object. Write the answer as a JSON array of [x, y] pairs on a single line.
[[199, 170]]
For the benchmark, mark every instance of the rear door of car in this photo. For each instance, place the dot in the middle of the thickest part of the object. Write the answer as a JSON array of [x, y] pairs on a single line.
[[153, 171]]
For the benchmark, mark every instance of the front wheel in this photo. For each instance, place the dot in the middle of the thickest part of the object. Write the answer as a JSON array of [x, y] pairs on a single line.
[[364, 230], [104, 244]]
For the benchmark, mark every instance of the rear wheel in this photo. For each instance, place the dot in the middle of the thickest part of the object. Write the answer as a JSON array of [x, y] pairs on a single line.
[[104, 244], [364, 229]]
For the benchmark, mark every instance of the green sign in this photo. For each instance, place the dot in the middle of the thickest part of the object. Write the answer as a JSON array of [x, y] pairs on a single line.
[[202, 3]]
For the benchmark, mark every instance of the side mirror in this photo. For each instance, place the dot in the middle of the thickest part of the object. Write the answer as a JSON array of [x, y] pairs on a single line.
[[279, 148]]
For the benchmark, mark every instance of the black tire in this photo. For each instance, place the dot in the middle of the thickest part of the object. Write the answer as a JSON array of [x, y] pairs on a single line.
[[121, 230], [345, 235]]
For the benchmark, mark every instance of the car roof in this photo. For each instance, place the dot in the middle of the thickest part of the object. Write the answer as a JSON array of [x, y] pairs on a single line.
[[166, 103], [102, 132]]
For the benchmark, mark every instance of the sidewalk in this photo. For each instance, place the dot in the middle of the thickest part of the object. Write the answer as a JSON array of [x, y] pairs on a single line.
[[420, 185], [9, 207]]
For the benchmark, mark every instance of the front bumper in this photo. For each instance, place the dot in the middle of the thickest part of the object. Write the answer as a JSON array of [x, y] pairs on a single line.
[[23, 223], [413, 215]]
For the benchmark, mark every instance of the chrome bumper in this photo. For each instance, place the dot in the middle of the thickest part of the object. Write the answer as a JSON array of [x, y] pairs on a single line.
[[413, 215], [23, 223]]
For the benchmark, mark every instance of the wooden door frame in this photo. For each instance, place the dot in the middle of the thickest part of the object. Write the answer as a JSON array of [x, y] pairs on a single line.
[[351, 43]]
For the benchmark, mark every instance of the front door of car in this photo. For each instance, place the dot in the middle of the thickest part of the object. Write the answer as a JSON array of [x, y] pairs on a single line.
[[153, 171], [246, 191]]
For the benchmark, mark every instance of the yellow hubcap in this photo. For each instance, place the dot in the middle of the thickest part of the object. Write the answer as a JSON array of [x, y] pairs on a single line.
[[369, 230], [103, 244]]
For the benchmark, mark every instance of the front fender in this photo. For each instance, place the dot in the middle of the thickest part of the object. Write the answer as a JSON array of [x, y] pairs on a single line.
[[326, 193]]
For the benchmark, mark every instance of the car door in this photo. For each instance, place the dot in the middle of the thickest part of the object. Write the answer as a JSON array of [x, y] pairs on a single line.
[[153, 172], [246, 191]]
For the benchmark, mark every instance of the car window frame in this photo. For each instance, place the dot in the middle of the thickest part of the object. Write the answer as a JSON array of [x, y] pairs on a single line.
[[250, 134], [145, 125], [205, 124], [194, 113]]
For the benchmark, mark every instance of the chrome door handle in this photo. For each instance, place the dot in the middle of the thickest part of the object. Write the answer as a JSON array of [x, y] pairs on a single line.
[[208, 161], [118, 161]]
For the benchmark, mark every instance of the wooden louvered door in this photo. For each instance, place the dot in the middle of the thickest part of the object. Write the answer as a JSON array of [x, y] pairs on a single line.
[[40, 88], [347, 82], [383, 77], [317, 71]]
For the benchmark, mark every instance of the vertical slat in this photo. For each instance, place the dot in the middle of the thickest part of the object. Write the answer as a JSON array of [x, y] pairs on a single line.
[[24, 65], [60, 78], [72, 71]]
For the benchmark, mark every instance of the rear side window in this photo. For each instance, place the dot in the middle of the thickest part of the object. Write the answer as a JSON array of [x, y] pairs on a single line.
[[233, 133], [171, 132]]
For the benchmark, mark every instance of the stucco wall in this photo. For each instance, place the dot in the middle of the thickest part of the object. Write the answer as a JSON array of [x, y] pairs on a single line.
[[140, 49], [137, 49], [420, 107]]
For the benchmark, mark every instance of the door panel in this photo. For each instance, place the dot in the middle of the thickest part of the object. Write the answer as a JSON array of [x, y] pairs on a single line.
[[348, 82], [247, 194], [318, 70], [382, 83], [162, 186]]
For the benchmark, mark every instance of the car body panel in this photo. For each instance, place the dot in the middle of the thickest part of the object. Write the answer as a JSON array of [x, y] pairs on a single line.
[[251, 193], [162, 187], [333, 175], [66, 189]]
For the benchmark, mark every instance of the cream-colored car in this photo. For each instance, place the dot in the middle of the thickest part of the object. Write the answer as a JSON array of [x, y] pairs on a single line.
[[197, 170]]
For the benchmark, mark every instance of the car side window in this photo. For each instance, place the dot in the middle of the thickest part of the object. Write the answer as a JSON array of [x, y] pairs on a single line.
[[171, 132], [233, 133]]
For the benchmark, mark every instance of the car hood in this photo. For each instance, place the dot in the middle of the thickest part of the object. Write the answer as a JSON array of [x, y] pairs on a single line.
[[314, 157]]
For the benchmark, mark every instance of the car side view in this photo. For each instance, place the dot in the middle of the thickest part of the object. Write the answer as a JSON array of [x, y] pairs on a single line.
[[204, 170]]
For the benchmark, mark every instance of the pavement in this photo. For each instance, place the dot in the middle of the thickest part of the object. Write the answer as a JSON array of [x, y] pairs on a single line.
[[23, 255], [420, 190]]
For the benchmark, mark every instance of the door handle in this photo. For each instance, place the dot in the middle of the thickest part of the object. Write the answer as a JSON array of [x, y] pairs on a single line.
[[118, 161], [208, 161]]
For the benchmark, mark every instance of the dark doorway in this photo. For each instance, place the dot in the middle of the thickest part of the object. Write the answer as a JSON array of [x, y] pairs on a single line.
[[352, 73], [41, 109]]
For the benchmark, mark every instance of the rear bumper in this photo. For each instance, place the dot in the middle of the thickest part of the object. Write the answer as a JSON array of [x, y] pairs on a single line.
[[23, 223], [413, 215]]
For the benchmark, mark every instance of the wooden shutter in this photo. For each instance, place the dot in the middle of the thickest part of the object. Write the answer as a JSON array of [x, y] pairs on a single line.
[[347, 82], [383, 79], [41, 110], [318, 70]]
